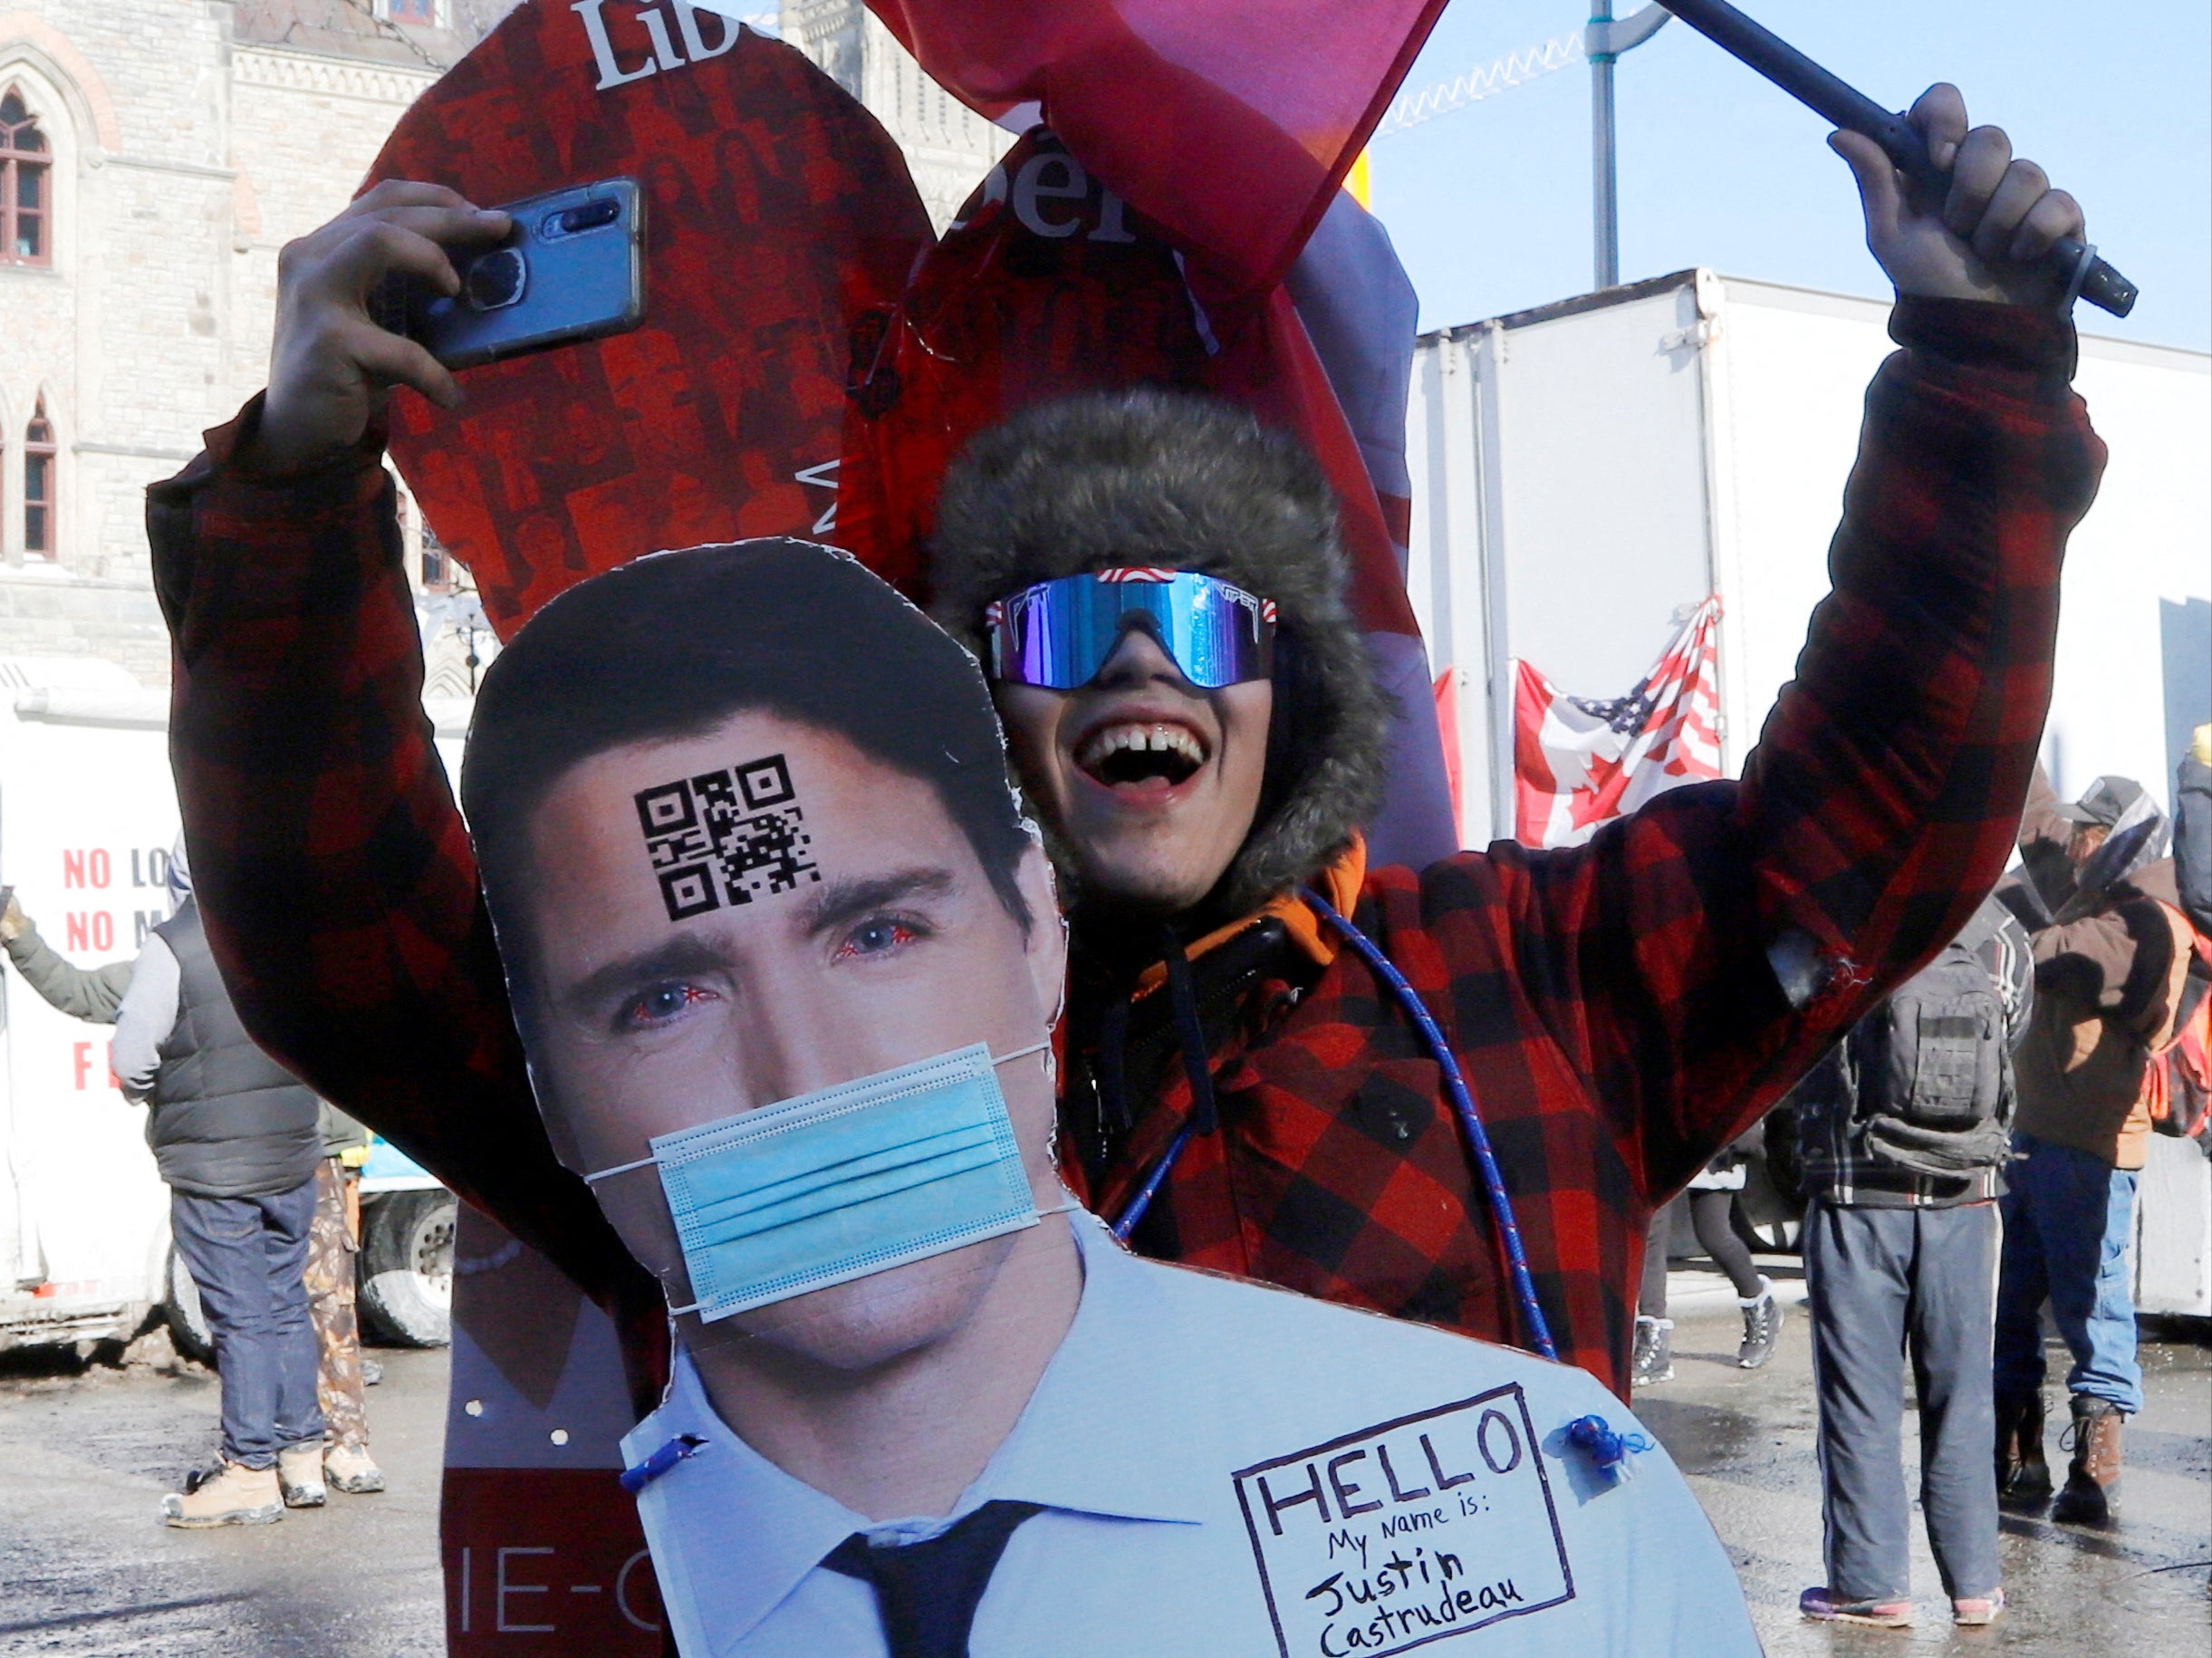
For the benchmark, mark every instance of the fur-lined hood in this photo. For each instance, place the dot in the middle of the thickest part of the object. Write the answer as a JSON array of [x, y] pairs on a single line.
[[1159, 477]]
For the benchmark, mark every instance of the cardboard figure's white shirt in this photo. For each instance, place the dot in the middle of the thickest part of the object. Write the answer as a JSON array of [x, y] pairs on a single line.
[[1230, 1469]]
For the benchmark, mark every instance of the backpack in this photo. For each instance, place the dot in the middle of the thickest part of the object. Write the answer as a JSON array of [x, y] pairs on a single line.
[[1934, 1055], [2177, 1080]]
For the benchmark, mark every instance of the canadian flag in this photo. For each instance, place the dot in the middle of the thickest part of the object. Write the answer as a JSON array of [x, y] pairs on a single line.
[[1578, 761]]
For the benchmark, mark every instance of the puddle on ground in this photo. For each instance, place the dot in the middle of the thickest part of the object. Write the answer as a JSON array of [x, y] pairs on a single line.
[[1704, 1439]]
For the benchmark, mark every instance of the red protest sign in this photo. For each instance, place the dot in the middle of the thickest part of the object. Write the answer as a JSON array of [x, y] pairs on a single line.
[[778, 212]]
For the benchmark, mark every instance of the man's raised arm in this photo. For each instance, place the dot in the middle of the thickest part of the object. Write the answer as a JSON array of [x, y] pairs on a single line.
[[1709, 948], [333, 867], [90, 994]]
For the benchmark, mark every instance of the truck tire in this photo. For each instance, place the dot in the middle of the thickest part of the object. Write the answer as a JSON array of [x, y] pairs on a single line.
[[406, 1289], [180, 1306]]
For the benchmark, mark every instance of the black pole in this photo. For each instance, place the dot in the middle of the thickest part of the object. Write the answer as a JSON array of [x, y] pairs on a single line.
[[1847, 107]]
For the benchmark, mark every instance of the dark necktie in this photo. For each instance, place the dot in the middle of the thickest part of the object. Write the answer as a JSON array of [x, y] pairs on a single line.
[[927, 1593]]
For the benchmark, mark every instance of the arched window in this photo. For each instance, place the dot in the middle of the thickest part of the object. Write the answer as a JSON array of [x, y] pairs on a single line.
[[436, 563], [26, 185], [38, 485]]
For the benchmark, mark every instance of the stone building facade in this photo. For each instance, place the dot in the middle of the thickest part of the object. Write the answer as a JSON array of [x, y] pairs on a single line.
[[176, 146], [189, 140]]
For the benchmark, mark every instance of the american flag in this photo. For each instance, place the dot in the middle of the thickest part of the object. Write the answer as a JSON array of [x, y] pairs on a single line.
[[1578, 761]]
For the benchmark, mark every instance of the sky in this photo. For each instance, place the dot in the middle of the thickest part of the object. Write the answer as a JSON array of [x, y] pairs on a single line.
[[1490, 206]]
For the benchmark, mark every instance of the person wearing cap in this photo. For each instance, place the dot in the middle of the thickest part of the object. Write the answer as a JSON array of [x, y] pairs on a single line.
[[1248, 1088], [2111, 956], [2057, 837]]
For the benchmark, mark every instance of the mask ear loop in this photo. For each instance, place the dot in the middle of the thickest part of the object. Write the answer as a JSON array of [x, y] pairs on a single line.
[[1051, 1074]]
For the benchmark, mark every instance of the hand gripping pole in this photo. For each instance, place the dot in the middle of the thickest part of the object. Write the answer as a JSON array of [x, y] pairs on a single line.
[[2072, 263]]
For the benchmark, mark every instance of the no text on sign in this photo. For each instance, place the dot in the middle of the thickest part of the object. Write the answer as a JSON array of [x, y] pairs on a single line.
[[1413, 1531]]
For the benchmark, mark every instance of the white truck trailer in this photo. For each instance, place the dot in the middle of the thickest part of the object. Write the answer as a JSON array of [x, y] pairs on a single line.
[[88, 813], [1585, 471], [87, 818]]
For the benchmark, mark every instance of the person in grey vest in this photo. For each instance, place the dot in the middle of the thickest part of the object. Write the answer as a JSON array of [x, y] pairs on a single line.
[[1904, 1133], [235, 1137], [95, 995]]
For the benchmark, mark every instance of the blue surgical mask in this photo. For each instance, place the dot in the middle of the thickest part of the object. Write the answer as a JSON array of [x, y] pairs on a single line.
[[843, 1182]]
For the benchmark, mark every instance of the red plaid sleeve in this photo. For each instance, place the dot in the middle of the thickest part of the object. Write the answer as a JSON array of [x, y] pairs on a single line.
[[1695, 959], [335, 874]]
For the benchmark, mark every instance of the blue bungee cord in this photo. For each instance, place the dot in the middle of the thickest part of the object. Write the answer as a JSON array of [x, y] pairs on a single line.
[[1463, 1106], [1463, 1102], [1606, 1446], [1134, 1211], [682, 1449]]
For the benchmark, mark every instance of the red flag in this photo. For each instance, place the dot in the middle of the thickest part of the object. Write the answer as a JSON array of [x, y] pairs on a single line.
[[1579, 762], [1050, 284], [1230, 122], [1447, 694]]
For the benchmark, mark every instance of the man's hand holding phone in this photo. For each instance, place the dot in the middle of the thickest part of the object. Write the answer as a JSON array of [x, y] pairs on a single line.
[[330, 366]]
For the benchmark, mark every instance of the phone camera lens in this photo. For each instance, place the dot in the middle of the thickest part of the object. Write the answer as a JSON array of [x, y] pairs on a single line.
[[575, 221], [595, 214], [495, 280]]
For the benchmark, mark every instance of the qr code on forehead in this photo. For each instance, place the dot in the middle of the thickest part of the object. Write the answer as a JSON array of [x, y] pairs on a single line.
[[725, 837]]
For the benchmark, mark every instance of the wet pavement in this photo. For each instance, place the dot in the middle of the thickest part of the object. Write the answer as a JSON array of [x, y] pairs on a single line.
[[86, 1567], [1746, 1438]]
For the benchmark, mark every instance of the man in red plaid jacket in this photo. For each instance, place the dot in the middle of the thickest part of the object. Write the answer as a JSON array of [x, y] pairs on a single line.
[[1621, 1010]]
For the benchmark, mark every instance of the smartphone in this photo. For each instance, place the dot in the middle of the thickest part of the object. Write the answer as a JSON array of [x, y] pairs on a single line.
[[571, 268]]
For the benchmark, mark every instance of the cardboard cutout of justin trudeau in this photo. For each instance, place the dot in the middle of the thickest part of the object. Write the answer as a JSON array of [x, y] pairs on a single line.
[[785, 961]]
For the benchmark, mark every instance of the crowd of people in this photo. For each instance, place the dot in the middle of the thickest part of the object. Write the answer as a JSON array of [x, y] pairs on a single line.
[[1966, 1159], [264, 1212], [877, 1099]]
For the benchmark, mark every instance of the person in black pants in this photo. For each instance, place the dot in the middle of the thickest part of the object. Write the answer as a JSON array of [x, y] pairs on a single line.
[[1711, 1200]]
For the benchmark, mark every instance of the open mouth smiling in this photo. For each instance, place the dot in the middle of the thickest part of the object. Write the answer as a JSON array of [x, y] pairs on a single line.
[[1139, 754]]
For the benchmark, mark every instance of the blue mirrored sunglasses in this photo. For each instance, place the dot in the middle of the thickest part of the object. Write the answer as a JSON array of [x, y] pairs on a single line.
[[1059, 635]]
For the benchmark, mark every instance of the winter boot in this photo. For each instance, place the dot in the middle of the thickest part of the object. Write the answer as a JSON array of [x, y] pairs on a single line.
[[229, 1494], [1653, 1358], [2024, 1478], [350, 1468], [1762, 1326], [2092, 1492], [299, 1473]]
